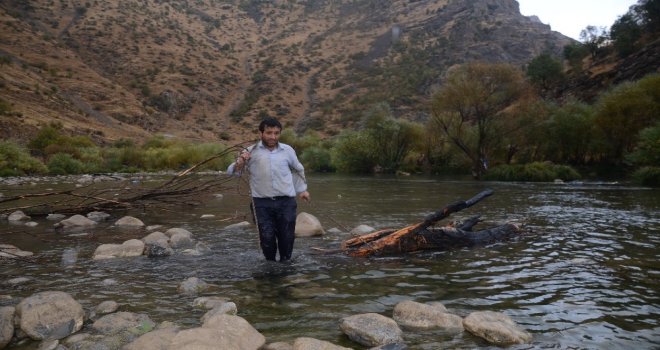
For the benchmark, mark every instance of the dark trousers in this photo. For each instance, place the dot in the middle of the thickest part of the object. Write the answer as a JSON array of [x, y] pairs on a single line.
[[276, 220]]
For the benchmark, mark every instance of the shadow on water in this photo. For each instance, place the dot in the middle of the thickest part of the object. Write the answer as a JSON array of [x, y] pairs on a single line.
[[584, 275]]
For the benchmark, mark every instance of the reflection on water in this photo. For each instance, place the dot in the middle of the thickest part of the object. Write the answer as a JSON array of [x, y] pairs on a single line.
[[584, 276]]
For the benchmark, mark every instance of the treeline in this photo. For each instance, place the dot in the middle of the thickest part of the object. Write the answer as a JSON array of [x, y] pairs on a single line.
[[486, 119]]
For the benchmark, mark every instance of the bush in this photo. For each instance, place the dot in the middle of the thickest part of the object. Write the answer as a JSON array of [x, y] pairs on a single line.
[[647, 176], [533, 172], [16, 161], [351, 153], [317, 159], [63, 164]]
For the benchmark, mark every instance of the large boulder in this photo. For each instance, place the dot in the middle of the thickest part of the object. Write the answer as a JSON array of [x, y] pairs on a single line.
[[155, 340], [192, 286], [132, 247], [308, 225], [12, 252], [129, 221], [49, 315], [371, 329], [226, 332], [412, 314], [155, 237], [497, 328], [180, 238], [6, 325], [304, 343], [228, 308], [123, 321]]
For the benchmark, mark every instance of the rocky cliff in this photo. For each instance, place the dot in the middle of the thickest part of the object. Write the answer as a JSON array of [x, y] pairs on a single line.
[[209, 69]]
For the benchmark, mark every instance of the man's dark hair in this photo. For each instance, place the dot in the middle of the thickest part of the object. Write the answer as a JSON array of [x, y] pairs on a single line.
[[269, 122]]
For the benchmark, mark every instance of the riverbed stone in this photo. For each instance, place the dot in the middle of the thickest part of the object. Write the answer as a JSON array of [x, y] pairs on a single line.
[[308, 225], [362, 229], [132, 247], [50, 315], [228, 308], [193, 286], [412, 314], [305, 343], [238, 226], [220, 332], [31, 224], [154, 340], [106, 307], [98, 216], [171, 232], [18, 215], [181, 240], [75, 221], [13, 252], [129, 221], [280, 345], [55, 217], [157, 249], [123, 321], [371, 329], [6, 325], [209, 302], [155, 236], [497, 328], [13, 282]]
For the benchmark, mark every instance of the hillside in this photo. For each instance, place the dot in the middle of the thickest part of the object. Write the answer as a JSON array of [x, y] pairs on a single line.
[[206, 70]]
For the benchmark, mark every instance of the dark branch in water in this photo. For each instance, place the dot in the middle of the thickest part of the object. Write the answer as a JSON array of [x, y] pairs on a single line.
[[187, 187]]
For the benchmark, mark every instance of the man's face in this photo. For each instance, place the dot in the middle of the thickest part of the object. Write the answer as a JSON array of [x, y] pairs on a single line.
[[270, 136]]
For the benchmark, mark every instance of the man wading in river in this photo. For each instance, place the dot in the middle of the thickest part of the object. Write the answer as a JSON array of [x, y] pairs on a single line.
[[276, 176]]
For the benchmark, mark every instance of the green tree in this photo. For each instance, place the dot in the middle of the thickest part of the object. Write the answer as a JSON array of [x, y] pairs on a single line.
[[625, 32], [593, 39], [574, 53], [472, 101], [545, 71], [647, 151], [568, 134], [624, 111]]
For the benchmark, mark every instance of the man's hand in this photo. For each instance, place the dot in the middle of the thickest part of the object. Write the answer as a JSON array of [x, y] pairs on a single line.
[[304, 196], [242, 159]]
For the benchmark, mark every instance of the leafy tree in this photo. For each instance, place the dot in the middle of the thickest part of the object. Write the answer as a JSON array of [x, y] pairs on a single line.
[[568, 134], [648, 147], [624, 111], [593, 39], [545, 71], [650, 13], [470, 104], [625, 32], [16, 161], [574, 54]]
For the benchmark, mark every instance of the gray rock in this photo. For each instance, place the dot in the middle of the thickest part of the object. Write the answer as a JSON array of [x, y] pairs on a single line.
[[17, 216], [50, 344], [220, 332], [31, 224], [171, 232], [412, 314], [393, 346], [98, 216], [158, 249], [304, 343], [228, 308], [202, 248], [6, 325], [155, 236], [497, 328], [132, 247], [278, 346], [371, 329], [308, 225], [75, 221], [13, 282], [155, 340], [55, 217], [50, 315], [238, 226], [154, 227], [209, 302], [362, 229], [106, 307], [207, 216], [129, 221], [193, 286], [123, 321], [12, 252]]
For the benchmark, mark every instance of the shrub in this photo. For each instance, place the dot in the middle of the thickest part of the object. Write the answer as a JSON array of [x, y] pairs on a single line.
[[16, 161], [317, 159], [63, 164], [647, 176]]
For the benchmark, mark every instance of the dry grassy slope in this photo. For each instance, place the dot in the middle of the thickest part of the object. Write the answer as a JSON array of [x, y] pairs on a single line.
[[134, 68]]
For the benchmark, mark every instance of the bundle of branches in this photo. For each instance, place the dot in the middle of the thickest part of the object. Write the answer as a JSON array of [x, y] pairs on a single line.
[[422, 236], [185, 188]]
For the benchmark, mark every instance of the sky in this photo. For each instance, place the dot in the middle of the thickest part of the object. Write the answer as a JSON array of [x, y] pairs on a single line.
[[569, 17]]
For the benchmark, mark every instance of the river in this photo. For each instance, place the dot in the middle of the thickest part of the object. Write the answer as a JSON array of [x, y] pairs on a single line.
[[583, 275]]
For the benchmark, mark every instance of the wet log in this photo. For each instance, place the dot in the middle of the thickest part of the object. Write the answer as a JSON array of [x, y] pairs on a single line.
[[422, 236]]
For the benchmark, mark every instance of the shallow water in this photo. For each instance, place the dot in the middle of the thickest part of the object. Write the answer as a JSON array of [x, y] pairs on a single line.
[[584, 275]]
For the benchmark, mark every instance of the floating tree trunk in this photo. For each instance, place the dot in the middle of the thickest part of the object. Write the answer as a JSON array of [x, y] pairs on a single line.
[[422, 236]]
